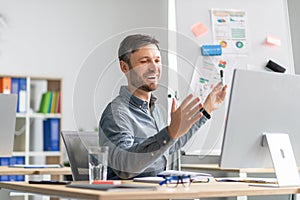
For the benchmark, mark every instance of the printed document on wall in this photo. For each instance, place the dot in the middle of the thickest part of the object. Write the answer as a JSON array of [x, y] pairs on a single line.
[[229, 30]]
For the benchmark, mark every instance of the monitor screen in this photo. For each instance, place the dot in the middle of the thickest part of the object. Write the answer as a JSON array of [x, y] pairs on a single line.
[[260, 102], [8, 104]]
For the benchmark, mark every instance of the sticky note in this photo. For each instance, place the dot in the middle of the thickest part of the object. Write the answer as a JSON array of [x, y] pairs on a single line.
[[199, 29], [211, 50], [273, 40]]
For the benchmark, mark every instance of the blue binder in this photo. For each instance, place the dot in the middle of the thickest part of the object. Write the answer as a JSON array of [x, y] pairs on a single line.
[[51, 134]]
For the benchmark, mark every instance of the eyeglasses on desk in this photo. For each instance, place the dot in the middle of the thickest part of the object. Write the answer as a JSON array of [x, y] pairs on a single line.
[[185, 180]]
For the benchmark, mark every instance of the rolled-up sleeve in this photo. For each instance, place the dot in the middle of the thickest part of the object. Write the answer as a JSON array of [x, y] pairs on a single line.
[[128, 154]]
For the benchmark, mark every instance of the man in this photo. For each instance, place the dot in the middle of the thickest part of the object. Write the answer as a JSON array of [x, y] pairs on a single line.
[[133, 126]]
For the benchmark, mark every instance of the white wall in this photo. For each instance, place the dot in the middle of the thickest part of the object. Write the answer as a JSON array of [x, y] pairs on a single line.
[[55, 38]]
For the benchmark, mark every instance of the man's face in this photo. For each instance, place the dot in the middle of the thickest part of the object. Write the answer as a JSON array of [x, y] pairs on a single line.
[[144, 68]]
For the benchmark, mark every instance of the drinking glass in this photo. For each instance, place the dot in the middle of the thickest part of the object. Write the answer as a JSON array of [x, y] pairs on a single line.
[[98, 157]]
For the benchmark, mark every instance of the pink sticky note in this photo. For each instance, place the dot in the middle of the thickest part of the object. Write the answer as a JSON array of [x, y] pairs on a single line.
[[273, 40], [199, 29]]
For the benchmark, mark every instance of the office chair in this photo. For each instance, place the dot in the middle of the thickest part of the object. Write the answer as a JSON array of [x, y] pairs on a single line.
[[77, 143]]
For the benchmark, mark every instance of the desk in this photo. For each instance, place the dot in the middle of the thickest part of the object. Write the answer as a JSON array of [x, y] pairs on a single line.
[[196, 190], [215, 167], [243, 172], [5, 170]]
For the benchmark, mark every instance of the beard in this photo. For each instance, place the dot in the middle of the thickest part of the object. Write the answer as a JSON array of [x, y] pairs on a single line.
[[139, 83], [148, 88]]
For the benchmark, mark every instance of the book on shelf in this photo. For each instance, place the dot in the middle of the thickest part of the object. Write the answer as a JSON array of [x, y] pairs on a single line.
[[58, 102], [5, 85], [53, 102], [45, 102], [51, 128], [50, 102]]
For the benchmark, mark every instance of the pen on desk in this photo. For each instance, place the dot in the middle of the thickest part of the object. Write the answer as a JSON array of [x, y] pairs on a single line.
[[222, 77]]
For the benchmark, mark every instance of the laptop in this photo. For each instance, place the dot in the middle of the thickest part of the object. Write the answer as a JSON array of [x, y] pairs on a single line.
[[8, 103], [77, 143]]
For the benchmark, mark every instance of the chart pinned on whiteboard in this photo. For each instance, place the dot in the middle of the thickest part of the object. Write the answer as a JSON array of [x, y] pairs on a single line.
[[229, 30], [207, 73]]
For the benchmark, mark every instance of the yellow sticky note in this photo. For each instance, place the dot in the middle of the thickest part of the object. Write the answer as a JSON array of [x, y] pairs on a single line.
[[199, 29]]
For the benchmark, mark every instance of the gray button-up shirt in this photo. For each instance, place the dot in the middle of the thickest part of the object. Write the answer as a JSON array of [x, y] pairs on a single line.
[[137, 137]]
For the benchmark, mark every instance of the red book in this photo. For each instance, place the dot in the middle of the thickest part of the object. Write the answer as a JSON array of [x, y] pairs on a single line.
[[111, 182], [58, 103]]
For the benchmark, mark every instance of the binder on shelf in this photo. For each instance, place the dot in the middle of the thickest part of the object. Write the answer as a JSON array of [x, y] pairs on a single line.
[[15, 90], [4, 162], [22, 95], [5, 85], [15, 161], [15, 86], [7, 161], [19, 87], [51, 128]]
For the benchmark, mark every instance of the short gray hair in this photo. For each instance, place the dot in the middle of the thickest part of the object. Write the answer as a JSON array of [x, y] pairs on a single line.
[[132, 43]]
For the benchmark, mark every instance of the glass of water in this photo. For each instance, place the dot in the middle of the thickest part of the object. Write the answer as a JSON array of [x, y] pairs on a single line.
[[98, 157]]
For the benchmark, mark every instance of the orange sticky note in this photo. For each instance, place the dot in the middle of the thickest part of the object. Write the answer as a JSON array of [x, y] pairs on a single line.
[[273, 40], [199, 29]]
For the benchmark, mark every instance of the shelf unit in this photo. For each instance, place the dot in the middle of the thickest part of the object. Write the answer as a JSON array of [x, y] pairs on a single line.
[[29, 124]]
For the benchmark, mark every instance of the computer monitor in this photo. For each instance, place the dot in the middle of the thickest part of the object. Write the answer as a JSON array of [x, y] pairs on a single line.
[[260, 102], [8, 103]]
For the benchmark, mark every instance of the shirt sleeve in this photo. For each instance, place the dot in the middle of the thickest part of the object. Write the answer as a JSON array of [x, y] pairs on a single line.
[[127, 156], [184, 139]]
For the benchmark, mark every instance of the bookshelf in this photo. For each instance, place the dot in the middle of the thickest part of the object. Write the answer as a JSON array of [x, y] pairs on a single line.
[[30, 123]]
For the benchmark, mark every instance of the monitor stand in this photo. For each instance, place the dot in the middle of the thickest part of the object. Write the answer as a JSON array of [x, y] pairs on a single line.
[[283, 158]]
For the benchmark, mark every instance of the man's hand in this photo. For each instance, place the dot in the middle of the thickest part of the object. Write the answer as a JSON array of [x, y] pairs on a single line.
[[215, 98], [184, 116]]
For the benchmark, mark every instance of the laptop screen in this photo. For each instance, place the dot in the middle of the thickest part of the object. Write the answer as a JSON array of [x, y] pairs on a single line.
[[8, 103]]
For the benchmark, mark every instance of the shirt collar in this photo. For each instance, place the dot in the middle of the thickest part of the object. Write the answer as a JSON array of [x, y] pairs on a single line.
[[135, 100]]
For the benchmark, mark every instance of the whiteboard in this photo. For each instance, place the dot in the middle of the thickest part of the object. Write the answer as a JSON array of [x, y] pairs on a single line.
[[263, 18]]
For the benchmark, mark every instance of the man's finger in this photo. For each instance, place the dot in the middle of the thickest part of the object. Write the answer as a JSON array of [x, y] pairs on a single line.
[[192, 104], [173, 108], [186, 100]]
